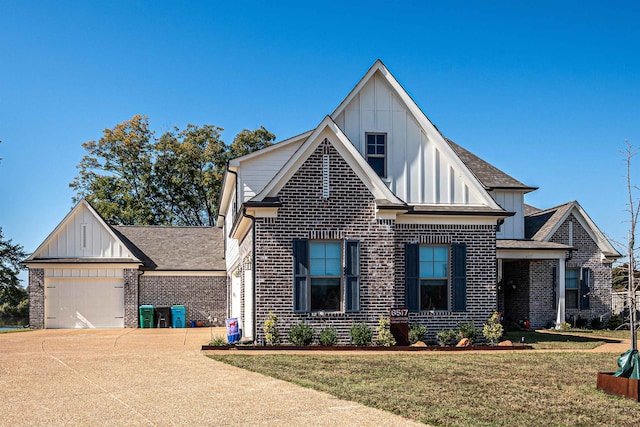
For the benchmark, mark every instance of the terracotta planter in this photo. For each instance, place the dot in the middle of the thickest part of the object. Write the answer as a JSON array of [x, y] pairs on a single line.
[[618, 386]]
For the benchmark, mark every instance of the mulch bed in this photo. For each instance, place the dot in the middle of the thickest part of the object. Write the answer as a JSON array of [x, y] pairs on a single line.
[[366, 349]]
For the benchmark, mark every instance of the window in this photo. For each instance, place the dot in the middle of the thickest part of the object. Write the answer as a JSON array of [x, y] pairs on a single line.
[[376, 152], [434, 277], [576, 288], [325, 260], [571, 284], [326, 275]]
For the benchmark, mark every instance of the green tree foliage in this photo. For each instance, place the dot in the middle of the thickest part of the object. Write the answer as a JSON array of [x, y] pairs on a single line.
[[620, 276], [133, 177], [12, 295]]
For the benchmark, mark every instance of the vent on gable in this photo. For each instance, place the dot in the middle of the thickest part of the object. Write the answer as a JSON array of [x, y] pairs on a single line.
[[83, 236], [325, 169]]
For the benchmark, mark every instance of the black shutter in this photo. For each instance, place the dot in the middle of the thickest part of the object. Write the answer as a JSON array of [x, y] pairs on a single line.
[[584, 290], [412, 276], [352, 275], [554, 285], [459, 262], [300, 275]]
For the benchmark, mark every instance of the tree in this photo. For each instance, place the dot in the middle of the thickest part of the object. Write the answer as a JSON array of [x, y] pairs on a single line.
[[633, 210], [133, 178], [12, 295]]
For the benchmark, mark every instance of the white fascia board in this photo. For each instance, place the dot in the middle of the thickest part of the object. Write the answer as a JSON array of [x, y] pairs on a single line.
[[83, 265], [530, 254], [330, 130], [278, 145], [190, 273], [447, 219], [263, 212], [68, 217], [427, 127], [242, 229], [229, 180]]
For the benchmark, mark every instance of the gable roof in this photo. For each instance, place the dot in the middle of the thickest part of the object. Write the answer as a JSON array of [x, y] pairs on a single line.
[[330, 130], [426, 126], [541, 225], [490, 176], [83, 204], [175, 248]]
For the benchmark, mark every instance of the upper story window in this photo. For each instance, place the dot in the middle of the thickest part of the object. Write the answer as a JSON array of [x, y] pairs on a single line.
[[377, 152]]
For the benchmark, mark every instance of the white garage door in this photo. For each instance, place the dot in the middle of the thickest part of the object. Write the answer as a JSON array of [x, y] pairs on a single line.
[[84, 303]]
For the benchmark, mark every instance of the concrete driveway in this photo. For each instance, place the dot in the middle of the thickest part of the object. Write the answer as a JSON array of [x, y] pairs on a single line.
[[157, 377]]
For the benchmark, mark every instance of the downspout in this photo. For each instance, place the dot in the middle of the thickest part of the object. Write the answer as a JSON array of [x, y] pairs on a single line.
[[253, 269]]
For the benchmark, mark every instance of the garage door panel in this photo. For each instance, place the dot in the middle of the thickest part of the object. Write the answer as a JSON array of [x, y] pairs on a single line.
[[84, 303]]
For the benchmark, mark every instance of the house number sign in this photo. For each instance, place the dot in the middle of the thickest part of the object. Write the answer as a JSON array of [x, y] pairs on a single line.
[[399, 324]]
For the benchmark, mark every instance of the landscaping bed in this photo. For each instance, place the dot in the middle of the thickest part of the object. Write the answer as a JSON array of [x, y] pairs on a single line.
[[366, 348]]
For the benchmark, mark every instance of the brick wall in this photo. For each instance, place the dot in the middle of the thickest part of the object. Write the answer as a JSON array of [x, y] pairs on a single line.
[[201, 295], [350, 213], [515, 289], [588, 255], [36, 298], [542, 313], [481, 271], [131, 316]]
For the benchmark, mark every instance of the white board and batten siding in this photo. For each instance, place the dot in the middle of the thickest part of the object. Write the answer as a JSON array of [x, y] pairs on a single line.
[[84, 287], [232, 245], [256, 172], [420, 169], [83, 235], [511, 201]]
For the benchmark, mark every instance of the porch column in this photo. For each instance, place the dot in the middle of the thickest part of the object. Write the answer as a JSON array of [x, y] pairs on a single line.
[[561, 287]]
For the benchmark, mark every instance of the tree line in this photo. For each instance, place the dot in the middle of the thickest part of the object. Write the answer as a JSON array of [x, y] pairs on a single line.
[[131, 176]]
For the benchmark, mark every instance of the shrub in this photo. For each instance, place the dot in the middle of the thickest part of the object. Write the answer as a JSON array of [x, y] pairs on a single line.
[[271, 334], [385, 337], [417, 333], [492, 329], [581, 322], [301, 334], [447, 337], [328, 336], [218, 341], [565, 326], [467, 330], [595, 323], [361, 334], [614, 322]]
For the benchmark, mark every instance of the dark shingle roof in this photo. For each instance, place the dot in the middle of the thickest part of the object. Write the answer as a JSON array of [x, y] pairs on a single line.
[[175, 248], [529, 244], [538, 225], [489, 176]]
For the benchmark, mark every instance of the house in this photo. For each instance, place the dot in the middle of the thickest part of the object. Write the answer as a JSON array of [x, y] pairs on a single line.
[[89, 274], [374, 208]]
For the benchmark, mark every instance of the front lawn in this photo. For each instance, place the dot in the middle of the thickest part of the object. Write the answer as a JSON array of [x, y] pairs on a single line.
[[554, 341], [493, 389]]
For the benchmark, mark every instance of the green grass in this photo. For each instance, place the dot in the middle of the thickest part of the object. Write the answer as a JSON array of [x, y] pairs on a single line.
[[492, 389], [555, 341], [10, 331]]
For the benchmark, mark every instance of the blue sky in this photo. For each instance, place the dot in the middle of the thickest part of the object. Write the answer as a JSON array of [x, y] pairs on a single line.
[[547, 91]]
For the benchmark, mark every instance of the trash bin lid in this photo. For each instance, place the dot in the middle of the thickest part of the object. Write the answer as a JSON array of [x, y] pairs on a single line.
[[146, 306]]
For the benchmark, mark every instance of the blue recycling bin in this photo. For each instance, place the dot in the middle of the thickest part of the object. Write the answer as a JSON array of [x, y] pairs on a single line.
[[178, 316]]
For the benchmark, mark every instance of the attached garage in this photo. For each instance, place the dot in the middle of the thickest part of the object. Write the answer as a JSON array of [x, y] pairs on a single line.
[[84, 302]]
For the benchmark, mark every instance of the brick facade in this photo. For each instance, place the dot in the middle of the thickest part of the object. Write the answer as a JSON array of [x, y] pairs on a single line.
[[131, 316], [201, 295], [36, 298], [350, 213], [588, 256], [481, 272]]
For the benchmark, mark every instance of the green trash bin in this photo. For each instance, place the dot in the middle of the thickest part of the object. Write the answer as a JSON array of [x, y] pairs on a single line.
[[146, 316], [178, 314]]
